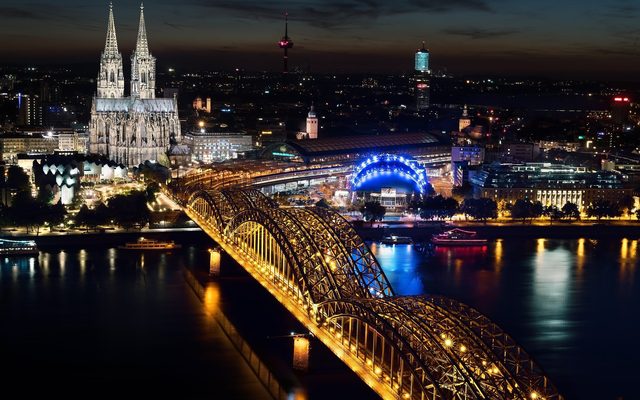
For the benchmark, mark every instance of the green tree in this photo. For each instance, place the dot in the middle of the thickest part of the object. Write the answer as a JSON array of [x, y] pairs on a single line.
[[373, 211]]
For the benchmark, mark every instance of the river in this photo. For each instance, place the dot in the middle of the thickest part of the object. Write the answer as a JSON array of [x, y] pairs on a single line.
[[97, 321], [574, 305]]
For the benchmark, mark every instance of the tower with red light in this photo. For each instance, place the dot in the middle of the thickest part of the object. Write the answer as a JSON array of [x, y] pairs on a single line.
[[620, 109], [285, 43]]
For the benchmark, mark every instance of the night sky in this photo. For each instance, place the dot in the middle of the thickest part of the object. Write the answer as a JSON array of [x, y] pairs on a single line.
[[557, 38]]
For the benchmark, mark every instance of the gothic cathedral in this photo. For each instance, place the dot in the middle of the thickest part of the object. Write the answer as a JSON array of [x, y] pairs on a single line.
[[131, 130]]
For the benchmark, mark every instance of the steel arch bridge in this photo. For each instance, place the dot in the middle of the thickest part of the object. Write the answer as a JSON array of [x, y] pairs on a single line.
[[318, 267]]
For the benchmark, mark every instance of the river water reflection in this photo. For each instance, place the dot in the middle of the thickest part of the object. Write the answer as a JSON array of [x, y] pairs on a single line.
[[573, 304], [103, 323]]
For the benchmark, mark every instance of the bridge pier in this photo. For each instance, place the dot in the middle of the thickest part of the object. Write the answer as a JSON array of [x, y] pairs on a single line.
[[301, 348], [214, 262]]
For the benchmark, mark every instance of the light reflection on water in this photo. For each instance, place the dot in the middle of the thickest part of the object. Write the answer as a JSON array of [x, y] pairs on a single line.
[[563, 300]]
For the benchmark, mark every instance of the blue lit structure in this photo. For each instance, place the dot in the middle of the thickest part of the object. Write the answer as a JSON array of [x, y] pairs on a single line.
[[422, 60], [382, 168]]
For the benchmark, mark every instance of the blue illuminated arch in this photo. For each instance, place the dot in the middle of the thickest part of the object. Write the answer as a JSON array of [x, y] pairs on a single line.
[[380, 165]]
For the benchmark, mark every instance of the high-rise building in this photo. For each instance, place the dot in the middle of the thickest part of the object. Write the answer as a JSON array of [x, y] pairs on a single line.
[[421, 78], [30, 110], [131, 130], [312, 124]]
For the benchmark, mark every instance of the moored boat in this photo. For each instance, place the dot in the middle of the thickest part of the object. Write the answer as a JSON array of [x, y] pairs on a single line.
[[458, 237], [149, 244], [17, 247], [393, 239]]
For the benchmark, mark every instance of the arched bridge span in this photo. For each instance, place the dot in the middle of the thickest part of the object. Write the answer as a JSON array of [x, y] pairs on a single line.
[[403, 347]]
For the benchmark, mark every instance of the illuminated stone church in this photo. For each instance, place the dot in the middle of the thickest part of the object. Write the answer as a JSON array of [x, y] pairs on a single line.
[[134, 129]]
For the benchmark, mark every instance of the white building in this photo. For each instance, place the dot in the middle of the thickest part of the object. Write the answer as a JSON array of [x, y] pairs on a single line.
[[217, 146]]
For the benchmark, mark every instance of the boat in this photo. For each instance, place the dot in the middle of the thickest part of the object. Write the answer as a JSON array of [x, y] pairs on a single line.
[[149, 244], [458, 237], [18, 247], [393, 239]]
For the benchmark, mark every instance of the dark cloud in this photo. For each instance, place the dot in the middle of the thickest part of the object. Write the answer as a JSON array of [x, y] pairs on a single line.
[[20, 13], [622, 10], [340, 13], [179, 27], [476, 33]]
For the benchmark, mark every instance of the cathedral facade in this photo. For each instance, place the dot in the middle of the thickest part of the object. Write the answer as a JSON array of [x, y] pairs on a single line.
[[131, 130]]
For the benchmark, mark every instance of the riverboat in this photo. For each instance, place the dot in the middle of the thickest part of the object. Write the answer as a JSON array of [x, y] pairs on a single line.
[[458, 237], [17, 247], [392, 239], [149, 244]]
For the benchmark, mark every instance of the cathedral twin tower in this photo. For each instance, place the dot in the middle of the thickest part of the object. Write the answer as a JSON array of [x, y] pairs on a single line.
[[131, 130]]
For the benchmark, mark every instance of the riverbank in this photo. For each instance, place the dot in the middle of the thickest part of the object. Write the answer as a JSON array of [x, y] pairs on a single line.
[[493, 231]]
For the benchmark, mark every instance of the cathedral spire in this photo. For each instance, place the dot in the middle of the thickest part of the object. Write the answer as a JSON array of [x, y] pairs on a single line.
[[111, 45], [142, 45], [110, 77], [143, 65]]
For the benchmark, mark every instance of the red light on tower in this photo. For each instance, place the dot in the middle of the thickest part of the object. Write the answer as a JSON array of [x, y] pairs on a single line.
[[285, 43], [621, 99]]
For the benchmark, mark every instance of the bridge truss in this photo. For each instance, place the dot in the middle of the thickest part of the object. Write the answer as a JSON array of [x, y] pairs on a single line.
[[318, 267]]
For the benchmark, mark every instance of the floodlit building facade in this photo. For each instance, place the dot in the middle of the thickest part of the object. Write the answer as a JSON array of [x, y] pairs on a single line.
[[550, 184], [131, 130]]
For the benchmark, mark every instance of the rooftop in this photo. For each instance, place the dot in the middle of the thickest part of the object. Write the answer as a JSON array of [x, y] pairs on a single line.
[[390, 141]]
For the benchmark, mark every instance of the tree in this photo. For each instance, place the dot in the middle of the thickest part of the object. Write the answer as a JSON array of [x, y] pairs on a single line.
[[129, 210], [521, 209], [83, 217], [571, 210], [450, 207], [554, 213], [17, 179], [438, 207], [56, 213], [373, 211], [480, 209], [45, 194], [152, 189], [603, 209], [626, 204], [462, 192]]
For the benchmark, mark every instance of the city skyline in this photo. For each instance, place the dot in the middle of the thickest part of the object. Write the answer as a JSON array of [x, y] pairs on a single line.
[[519, 38]]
